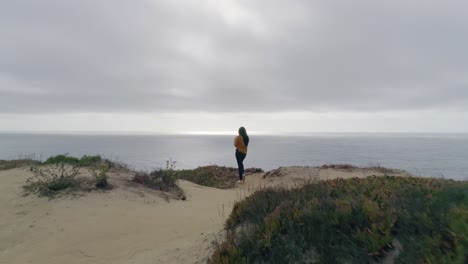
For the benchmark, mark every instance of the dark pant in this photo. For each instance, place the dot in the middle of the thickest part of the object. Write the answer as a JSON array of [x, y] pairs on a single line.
[[240, 163]]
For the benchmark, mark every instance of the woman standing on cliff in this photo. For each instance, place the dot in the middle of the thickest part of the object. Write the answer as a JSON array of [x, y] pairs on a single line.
[[241, 142]]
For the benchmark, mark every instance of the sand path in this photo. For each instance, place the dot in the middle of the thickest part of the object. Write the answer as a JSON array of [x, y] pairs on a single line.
[[124, 225]]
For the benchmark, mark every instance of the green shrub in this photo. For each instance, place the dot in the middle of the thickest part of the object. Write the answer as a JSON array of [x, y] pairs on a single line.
[[62, 159], [211, 176], [117, 165], [84, 161], [59, 173], [214, 176], [350, 221], [48, 181], [100, 175], [90, 160], [161, 179]]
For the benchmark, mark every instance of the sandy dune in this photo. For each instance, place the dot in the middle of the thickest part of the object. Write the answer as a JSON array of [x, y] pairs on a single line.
[[126, 224]]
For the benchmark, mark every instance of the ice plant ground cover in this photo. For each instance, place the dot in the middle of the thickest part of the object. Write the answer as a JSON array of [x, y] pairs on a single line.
[[354, 220]]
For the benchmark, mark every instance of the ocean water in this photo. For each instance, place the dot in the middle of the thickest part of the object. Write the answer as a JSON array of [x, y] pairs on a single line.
[[436, 155]]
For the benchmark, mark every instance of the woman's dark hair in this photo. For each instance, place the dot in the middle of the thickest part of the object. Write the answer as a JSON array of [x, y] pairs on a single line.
[[244, 135]]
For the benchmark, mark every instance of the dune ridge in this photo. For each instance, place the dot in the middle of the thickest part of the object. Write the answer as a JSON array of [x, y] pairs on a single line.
[[130, 224]]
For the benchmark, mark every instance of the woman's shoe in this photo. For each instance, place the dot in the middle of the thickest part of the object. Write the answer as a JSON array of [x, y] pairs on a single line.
[[239, 181]]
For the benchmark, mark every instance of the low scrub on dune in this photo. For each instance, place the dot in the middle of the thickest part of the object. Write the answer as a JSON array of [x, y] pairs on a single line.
[[60, 174], [87, 161], [50, 180], [83, 161], [100, 175], [18, 163], [161, 179], [348, 167], [351, 221], [214, 176], [339, 166]]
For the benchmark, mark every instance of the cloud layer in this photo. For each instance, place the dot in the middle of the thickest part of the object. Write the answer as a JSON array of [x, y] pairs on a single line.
[[233, 56]]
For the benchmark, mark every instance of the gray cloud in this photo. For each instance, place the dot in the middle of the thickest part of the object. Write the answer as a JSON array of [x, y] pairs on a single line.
[[227, 56]]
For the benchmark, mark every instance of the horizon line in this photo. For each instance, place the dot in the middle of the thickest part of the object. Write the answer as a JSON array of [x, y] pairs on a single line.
[[209, 133]]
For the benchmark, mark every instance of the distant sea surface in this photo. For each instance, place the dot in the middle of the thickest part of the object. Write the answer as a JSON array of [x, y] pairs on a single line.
[[437, 155]]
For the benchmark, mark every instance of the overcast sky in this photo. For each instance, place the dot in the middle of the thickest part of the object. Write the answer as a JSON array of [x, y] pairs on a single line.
[[213, 65]]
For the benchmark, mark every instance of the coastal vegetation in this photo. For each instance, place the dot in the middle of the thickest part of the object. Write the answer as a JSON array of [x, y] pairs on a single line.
[[421, 220], [161, 179], [214, 176], [87, 161], [50, 180], [22, 161], [100, 175], [65, 159], [164, 179], [60, 174]]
